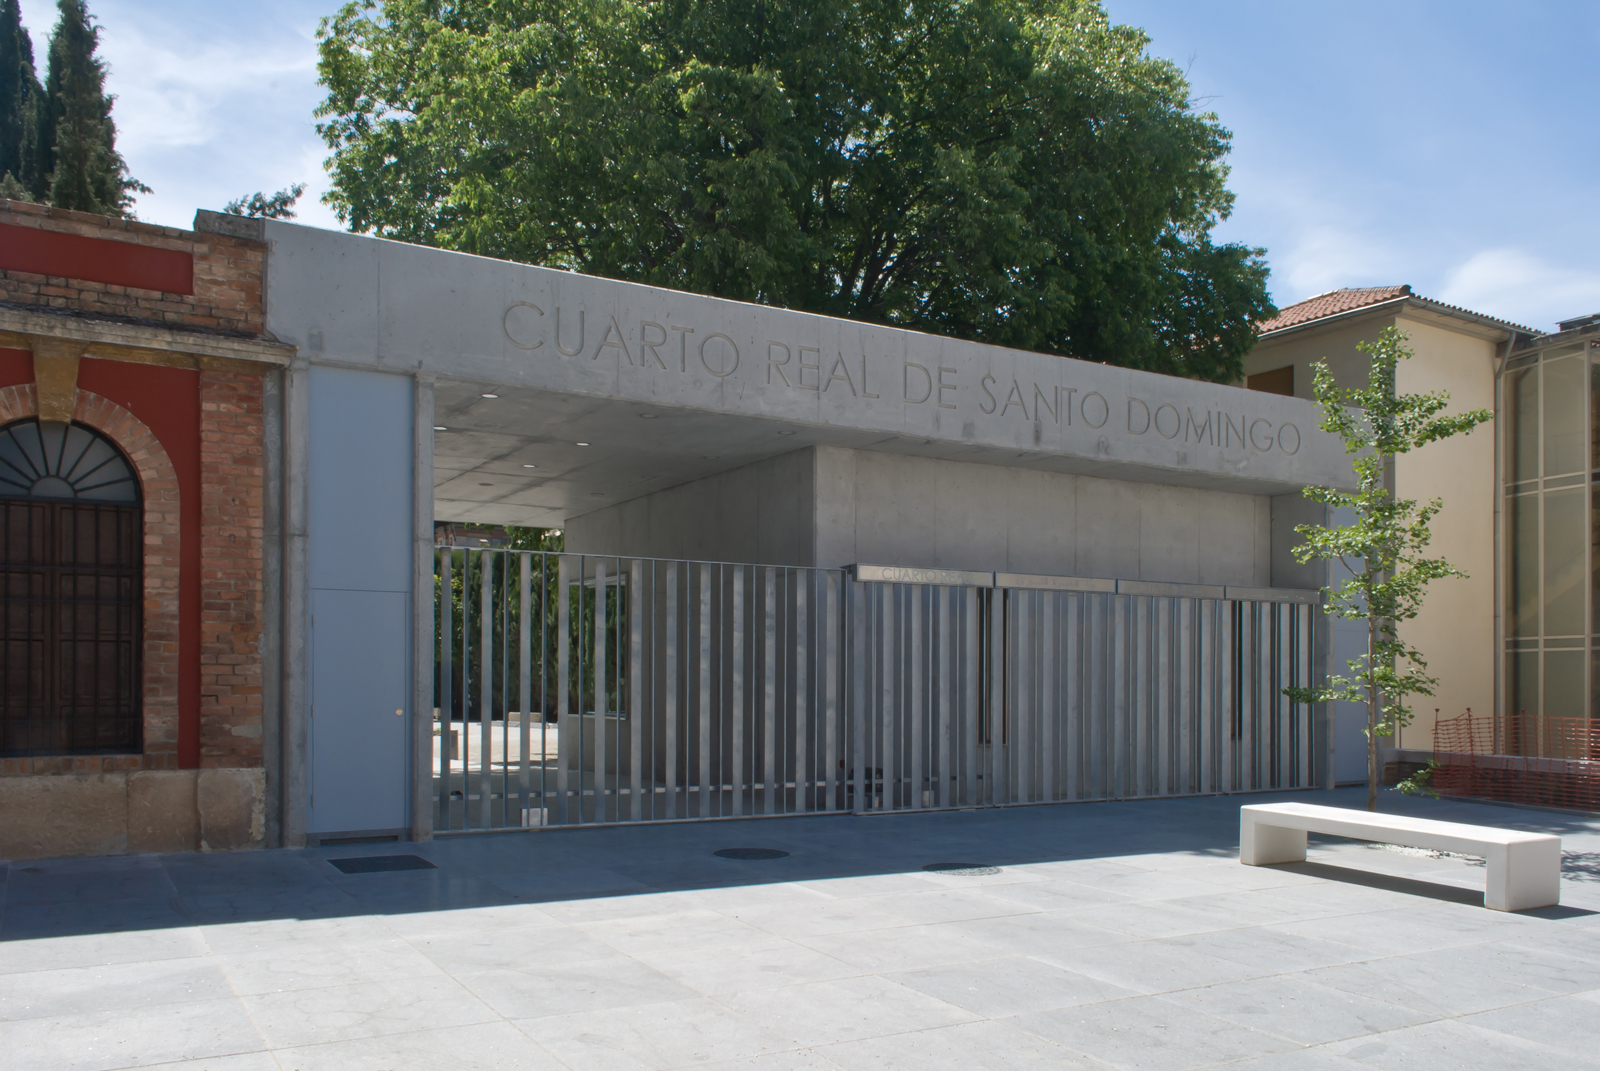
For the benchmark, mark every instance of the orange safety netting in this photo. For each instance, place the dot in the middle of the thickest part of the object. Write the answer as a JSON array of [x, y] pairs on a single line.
[[1547, 762]]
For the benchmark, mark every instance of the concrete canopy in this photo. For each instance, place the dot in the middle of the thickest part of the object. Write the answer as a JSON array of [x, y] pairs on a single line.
[[668, 387]]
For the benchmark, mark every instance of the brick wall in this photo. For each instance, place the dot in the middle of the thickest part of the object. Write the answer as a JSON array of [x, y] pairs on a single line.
[[232, 518], [228, 274]]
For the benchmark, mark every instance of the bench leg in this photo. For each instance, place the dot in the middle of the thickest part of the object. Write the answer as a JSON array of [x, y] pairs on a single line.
[[1264, 845], [1522, 877]]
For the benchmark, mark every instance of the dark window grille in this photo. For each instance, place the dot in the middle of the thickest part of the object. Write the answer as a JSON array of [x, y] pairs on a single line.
[[70, 593]]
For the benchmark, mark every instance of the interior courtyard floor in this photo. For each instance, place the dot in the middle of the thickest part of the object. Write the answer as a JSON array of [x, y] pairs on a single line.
[[1114, 935]]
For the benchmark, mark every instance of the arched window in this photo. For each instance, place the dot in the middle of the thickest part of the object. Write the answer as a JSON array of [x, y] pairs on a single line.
[[71, 529]]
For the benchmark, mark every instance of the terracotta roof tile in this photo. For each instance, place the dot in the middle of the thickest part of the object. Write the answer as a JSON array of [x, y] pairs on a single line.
[[1331, 303]]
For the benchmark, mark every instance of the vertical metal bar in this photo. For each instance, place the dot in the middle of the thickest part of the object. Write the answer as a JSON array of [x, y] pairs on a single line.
[[999, 787], [944, 766], [485, 685], [446, 687], [1072, 693], [636, 713], [917, 652], [703, 733], [602, 689], [669, 731], [1049, 697], [829, 706], [805, 797], [971, 665], [856, 599], [544, 688], [737, 706], [524, 681], [893, 660], [768, 692], [564, 684]]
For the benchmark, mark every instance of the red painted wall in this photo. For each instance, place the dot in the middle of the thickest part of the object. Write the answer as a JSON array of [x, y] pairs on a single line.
[[100, 260], [16, 367], [167, 400]]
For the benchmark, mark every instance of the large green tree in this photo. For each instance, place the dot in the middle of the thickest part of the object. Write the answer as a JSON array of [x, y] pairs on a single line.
[[1020, 172], [86, 171]]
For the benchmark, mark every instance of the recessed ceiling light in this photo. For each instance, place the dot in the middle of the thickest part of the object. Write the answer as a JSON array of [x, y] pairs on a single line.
[[711, 457], [647, 416], [440, 427], [785, 433], [488, 395], [486, 485], [580, 444], [530, 466], [597, 494]]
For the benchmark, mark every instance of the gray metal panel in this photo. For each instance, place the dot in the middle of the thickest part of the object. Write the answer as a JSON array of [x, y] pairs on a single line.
[[1171, 591], [360, 480], [359, 641], [894, 574], [1054, 583], [1291, 595]]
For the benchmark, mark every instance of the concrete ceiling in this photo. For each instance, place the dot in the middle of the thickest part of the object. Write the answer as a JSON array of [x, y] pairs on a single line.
[[515, 458]]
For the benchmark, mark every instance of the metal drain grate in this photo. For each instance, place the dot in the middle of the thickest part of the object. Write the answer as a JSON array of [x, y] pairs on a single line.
[[377, 864], [750, 853], [969, 870]]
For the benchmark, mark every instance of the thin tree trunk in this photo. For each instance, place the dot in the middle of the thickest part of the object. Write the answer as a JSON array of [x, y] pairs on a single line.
[[1372, 717]]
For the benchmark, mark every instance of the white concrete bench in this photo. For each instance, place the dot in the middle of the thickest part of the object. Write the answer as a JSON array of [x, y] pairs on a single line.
[[1524, 868]]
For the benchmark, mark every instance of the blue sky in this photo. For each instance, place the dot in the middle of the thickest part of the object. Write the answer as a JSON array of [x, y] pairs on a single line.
[[1449, 145]]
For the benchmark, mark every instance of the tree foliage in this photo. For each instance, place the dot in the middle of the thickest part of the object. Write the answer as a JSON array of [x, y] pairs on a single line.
[[278, 205], [22, 171], [86, 171], [1019, 172], [1387, 538], [58, 143]]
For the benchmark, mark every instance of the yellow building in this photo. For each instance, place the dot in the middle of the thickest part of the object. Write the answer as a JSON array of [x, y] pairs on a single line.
[[1524, 549]]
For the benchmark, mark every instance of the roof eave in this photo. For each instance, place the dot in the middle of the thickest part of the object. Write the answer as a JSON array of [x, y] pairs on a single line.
[[1488, 327]]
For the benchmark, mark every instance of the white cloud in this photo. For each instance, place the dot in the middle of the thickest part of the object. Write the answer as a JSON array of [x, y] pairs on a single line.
[[1522, 287]]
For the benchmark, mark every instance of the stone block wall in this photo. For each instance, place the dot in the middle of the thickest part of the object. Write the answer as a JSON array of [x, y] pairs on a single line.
[[225, 288]]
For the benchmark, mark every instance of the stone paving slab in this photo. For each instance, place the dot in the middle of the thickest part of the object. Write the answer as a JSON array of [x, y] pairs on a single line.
[[1119, 935]]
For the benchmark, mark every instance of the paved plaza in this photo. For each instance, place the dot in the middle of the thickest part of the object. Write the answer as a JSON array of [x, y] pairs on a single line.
[[1120, 935]]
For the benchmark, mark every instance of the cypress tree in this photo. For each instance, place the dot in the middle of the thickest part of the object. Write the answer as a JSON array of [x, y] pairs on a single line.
[[86, 171], [20, 97]]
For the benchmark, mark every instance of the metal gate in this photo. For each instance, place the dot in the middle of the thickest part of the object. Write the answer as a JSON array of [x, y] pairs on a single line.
[[575, 689]]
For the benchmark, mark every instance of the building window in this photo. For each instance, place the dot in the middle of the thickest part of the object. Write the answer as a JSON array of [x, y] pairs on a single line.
[[1277, 381], [1550, 411], [70, 592]]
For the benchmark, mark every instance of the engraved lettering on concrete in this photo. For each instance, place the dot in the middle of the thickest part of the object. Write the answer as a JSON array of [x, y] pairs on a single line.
[[983, 385], [613, 329], [1101, 407], [800, 375], [1051, 405], [648, 344], [943, 386], [840, 371], [926, 386], [1177, 421], [724, 366], [683, 346], [521, 327], [1020, 402], [775, 365], [1143, 417], [577, 349], [1284, 429], [1255, 425], [1233, 430], [866, 391], [1202, 431]]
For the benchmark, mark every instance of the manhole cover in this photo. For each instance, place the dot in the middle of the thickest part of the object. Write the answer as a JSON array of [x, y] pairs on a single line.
[[970, 870], [377, 864], [750, 853]]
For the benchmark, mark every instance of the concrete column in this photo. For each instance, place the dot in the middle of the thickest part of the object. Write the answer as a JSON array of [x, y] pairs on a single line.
[[422, 612], [272, 547], [296, 659]]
